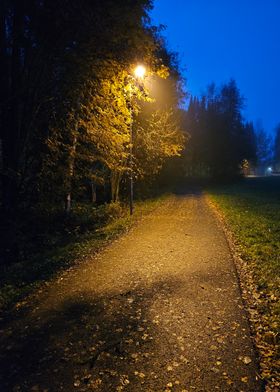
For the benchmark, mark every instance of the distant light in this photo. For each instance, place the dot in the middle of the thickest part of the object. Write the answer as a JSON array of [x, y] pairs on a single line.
[[140, 71], [269, 169]]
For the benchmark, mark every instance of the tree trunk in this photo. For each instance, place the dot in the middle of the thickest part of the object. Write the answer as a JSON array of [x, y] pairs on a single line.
[[11, 100], [115, 185], [11, 116], [68, 203], [93, 193], [68, 197]]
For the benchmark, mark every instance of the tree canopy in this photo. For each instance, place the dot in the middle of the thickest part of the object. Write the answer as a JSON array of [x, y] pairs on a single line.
[[65, 102]]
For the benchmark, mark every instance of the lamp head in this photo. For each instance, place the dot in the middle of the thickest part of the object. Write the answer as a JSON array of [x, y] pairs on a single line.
[[140, 71]]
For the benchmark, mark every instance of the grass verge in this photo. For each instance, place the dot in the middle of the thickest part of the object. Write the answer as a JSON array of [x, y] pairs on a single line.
[[251, 210], [62, 241]]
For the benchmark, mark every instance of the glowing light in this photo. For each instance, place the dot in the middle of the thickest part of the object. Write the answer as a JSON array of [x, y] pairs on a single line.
[[269, 169], [140, 71]]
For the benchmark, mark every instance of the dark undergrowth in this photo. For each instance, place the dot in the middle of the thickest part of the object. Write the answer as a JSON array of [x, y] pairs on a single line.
[[47, 241]]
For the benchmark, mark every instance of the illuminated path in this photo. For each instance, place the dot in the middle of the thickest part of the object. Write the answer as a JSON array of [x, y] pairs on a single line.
[[158, 310]]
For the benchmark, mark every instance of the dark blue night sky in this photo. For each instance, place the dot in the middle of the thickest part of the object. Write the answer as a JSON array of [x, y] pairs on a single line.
[[222, 39]]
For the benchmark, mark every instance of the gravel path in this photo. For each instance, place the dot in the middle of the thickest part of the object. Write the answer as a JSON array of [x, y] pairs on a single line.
[[158, 310]]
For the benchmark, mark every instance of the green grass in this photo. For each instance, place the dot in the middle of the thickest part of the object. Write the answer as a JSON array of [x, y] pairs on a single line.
[[59, 241], [251, 209]]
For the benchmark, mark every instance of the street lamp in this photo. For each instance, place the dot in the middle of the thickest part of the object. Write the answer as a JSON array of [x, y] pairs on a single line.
[[139, 73]]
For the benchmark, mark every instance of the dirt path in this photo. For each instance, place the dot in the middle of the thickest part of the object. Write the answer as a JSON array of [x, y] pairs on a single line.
[[158, 310]]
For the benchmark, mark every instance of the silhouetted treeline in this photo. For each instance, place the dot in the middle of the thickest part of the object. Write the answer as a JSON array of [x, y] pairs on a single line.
[[222, 144]]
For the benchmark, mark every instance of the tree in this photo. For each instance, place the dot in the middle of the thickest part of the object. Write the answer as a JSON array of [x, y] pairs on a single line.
[[50, 56], [220, 140], [158, 133], [157, 138], [277, 148], [65, 96], [263, 147], [64, 105]]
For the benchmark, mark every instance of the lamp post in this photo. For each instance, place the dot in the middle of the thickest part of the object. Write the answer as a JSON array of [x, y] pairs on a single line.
[[139, 73]]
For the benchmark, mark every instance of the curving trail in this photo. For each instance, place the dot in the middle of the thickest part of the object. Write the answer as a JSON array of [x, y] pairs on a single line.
[[158, 310]]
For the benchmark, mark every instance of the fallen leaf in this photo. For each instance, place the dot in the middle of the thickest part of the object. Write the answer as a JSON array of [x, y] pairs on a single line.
[[247, 360]]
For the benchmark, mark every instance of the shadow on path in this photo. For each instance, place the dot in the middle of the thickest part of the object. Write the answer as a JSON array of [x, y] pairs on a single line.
[[70, 346]]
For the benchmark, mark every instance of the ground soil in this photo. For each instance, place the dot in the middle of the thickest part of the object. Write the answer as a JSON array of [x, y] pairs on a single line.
[[159, 309]]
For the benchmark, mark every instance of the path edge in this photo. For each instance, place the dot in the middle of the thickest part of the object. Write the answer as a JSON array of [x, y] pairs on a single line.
[[246, 285]]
